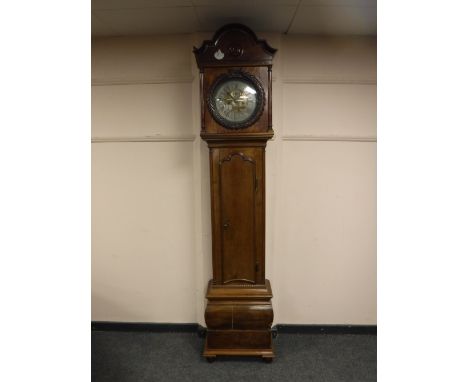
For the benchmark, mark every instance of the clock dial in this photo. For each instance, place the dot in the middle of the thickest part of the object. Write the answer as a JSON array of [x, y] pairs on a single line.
[[236, 100]]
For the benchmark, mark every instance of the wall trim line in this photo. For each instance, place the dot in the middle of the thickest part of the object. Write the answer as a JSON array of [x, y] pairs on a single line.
[[196, 328], [326, 329], [144, 327], [175, 80], [167, 138], [327, 138], [141, 81], [330, 81]]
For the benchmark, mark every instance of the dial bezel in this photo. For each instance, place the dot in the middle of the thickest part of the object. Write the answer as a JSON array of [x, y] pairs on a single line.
[[253, 82]]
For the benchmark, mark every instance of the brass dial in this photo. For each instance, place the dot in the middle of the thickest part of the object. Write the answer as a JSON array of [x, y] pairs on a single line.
[[235, 100]]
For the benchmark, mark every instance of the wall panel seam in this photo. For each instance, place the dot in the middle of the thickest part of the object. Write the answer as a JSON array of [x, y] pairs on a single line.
[[167, 138], [141, 81], [330, 81], [187, 80], [328, 138]]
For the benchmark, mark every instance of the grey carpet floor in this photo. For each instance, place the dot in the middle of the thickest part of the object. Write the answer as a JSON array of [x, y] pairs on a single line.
[[144, 357]]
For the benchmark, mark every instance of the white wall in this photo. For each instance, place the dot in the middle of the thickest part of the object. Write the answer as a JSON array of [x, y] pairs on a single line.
[[151, 221]]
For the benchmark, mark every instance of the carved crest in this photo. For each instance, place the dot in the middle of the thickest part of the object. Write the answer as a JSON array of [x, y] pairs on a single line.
[[234, 42]]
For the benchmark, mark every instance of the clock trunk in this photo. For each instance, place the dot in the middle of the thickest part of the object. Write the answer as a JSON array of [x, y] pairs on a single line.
[[238, 214]]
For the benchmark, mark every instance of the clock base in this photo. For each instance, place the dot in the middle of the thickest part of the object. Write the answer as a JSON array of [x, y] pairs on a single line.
[[211, 354], [239, 319]]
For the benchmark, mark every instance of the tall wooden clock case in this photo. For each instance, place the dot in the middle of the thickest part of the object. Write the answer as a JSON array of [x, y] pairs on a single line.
[[235, 93]]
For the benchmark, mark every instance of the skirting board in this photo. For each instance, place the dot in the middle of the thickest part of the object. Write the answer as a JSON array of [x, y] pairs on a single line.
[[327, 329], [143, 327], [196, 328]]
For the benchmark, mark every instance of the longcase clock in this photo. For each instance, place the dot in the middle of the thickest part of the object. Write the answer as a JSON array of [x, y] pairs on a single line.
[[235, 93]]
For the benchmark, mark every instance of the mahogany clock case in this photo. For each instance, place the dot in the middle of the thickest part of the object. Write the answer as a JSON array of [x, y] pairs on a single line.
[[239, 313]]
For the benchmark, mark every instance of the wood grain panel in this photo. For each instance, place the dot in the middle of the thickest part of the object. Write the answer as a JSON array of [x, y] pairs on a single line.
[[252, 316], [239, 339], [237, 173], [219, 316]]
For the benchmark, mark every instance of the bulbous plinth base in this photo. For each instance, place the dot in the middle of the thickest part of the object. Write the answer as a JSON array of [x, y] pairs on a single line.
[[239, 319]]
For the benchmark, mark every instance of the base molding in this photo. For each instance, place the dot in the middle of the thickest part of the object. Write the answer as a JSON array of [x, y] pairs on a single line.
[[115, 326], [211, 354], [156, 327], [325, 329]]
